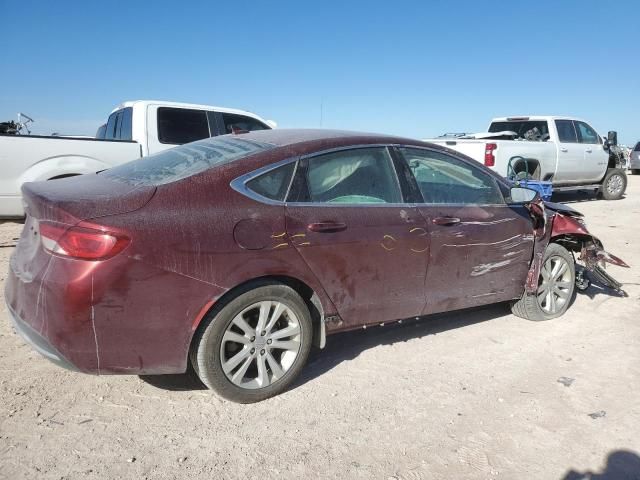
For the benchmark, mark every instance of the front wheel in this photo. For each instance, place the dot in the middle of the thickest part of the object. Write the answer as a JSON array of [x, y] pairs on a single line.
[[614, 185], [255, 345], [556, 287]]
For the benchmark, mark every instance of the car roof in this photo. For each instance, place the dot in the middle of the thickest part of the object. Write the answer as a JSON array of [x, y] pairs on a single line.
[[327, 139]]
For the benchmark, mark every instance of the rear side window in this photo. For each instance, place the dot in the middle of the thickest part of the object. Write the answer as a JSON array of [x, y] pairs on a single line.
[[184, 161], [443, 179], [119, 125], [274, 184], [533, 130], [241, 122], [586, 134], [178, 126], [566, 131], [356, 176]]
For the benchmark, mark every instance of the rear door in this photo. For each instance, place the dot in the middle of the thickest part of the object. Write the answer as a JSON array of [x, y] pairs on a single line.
[[480, 248], [596, 158], [570, 154], [346, 217]]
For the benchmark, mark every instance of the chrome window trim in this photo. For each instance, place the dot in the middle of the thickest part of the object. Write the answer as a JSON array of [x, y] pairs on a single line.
[[239, 184]]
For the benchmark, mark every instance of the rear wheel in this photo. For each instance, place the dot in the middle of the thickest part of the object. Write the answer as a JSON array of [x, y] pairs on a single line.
[[556, 287], [255, 345], [613, 185]]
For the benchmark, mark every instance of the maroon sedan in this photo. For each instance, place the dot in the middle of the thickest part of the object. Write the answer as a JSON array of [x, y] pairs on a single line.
[[237, 253]]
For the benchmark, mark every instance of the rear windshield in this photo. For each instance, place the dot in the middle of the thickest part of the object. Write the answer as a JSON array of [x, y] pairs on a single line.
[[534, 130], [184, 161]]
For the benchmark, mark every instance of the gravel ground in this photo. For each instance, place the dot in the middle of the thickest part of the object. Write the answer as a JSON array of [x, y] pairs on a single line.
[[476, 394]]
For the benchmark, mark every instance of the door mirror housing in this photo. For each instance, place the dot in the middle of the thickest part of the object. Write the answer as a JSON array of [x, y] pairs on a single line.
[[612, 138], [520, 195]]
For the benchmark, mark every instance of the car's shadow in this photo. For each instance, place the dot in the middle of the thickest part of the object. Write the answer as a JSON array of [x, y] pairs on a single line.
[[342, 347]]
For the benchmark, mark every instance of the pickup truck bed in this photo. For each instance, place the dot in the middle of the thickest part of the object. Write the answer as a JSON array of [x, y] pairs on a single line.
[[44, 158]]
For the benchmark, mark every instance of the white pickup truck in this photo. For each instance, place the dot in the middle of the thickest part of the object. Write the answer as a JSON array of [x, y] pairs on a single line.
[[566, 151], [134, 129]]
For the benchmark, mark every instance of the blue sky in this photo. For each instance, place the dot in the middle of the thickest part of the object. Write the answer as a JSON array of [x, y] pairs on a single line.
[[412, 68]]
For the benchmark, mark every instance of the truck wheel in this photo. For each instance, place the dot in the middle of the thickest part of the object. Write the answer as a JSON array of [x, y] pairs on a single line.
[[556, 287], [613, 185]]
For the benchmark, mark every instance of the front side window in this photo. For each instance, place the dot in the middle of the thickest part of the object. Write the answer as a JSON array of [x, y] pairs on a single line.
[[357, 176], [637, 149], [566, 131], [241, 122], [443, 179], [586, 134], [178, 126]]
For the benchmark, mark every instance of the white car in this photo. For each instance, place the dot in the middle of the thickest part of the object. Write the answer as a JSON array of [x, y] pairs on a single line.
[[134, 129], [564, 150]]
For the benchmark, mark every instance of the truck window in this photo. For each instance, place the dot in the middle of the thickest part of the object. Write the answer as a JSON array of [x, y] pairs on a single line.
[[119, 125], [566, 131], [241, 122], [178, 126], [586, 134], [535, 130]]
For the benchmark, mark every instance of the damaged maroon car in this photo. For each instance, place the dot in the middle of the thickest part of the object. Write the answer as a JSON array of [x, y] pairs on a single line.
[[238, 253]]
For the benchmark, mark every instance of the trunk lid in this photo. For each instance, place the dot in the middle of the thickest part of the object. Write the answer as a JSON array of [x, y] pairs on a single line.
[[71, 200]]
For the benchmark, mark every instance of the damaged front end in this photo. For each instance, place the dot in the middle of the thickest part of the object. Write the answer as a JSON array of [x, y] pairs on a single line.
[[569, 230]]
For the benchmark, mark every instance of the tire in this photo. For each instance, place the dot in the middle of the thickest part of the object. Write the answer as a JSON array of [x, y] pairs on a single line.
[[531, 306], [230, 333], [614, 185]]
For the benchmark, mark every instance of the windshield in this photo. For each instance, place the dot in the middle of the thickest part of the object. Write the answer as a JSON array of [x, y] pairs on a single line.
[[186, 160]]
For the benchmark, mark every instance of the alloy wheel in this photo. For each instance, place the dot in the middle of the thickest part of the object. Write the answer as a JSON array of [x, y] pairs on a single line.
[[614, 184], [260, 344], [554, 286]]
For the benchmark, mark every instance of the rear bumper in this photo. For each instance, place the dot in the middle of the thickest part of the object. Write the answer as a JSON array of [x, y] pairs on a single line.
[[38, 342]]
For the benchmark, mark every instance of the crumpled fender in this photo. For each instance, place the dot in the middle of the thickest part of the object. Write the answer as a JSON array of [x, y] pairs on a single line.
[[565, 226]]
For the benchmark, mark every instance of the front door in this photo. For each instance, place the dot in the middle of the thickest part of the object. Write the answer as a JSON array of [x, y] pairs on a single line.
[[570, 166], [346, 217], [481, 248]]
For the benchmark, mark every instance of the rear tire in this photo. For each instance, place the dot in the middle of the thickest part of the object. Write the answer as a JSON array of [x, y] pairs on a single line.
[[255, 345], [556, 287], [613, 185]]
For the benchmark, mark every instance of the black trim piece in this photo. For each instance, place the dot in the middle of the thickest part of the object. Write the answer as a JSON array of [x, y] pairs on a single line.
[[408, 185]]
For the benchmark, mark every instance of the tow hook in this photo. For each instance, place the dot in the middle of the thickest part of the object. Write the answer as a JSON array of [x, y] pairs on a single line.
[[582, 281]]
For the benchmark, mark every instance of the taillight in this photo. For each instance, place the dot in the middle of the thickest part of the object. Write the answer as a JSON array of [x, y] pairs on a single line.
[[489, 157], [81, 242]]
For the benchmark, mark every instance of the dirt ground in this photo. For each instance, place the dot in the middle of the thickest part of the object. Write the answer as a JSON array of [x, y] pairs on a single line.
[[469, 395]]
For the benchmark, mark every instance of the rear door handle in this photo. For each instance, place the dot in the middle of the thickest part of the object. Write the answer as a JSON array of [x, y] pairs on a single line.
[[445, 221], [327, 227], [588, 150]]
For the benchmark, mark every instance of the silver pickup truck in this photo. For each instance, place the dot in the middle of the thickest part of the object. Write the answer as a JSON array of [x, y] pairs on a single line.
[[564, 150]]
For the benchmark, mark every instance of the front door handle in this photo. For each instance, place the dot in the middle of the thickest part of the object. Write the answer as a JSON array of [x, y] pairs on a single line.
[[327, 227], [564, 150], [445, 221], [588, 150]]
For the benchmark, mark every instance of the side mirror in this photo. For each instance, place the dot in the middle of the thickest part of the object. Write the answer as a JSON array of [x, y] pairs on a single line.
[[522, 195], [612, 138]]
